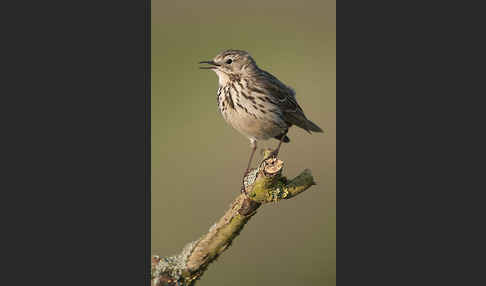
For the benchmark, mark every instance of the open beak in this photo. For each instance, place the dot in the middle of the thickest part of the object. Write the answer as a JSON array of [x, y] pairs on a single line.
[[212, 63]]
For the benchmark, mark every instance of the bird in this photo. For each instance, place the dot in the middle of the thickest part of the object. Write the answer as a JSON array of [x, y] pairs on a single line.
[[255, 102]]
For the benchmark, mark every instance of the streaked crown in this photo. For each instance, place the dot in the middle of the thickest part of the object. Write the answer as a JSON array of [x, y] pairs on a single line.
[[232, 62]]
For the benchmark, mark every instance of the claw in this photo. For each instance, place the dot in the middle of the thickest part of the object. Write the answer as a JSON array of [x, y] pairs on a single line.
[[274, 154]]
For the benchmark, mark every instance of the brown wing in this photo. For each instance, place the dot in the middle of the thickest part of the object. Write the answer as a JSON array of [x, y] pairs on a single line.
[[284, 97]]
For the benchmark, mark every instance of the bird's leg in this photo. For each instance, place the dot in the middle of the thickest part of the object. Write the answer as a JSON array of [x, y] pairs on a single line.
[[253, 144], [253, 149], [274, 154]]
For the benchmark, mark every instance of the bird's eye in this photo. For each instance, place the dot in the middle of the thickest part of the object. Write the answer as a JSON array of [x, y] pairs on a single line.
[[229, 61]]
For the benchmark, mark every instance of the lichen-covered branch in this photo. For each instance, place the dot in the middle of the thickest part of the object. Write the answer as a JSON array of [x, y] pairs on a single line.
[[264, 184]]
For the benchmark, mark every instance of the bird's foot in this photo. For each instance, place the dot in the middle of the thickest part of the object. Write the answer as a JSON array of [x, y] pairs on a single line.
[[269, 153], [273, 154]]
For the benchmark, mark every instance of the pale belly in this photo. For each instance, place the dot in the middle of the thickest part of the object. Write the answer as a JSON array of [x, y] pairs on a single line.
[[265, 126]]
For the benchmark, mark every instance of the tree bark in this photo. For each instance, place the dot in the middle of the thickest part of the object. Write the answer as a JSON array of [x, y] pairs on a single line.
[[264, 184]]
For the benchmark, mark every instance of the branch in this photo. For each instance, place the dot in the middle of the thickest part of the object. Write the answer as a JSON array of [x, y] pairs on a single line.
[[264, 184]]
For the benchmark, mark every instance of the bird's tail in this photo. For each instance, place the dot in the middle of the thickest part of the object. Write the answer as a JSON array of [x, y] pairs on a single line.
[[300, 120], [312, 126]]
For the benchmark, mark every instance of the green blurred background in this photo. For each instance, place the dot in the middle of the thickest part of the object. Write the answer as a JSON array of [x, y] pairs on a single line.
[[198, 160]]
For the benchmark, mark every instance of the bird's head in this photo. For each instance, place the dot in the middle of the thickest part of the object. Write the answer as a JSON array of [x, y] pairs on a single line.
[[231, 63]]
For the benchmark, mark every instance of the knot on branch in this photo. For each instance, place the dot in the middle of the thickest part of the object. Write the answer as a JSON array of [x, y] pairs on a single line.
[[266, 184]]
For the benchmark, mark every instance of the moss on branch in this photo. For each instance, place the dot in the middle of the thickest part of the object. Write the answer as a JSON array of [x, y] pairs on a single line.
[[263, 185]]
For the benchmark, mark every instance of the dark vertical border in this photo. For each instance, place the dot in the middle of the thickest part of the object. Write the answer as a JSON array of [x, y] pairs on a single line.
[[148, 144], [405, 155], [75, 138]]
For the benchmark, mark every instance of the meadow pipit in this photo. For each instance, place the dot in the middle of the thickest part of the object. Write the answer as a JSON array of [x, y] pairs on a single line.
[[255, 102]]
